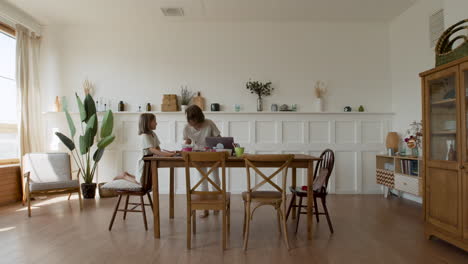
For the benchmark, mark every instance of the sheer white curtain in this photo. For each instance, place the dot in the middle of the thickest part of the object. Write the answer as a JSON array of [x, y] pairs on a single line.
[[29, 96]]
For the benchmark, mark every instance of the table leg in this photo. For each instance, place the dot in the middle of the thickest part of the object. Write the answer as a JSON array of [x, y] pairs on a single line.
[[171, 193], [310, 198], [293, 184], [154, 173]]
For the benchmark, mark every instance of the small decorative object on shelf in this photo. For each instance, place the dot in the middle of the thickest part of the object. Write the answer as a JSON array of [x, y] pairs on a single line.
[[261, 90], [451, 153], [121, 106], [294, 107], [445, 52], [148, 107], [284, 107], [274, 108], [215, 107], [199, 101], [361, 108], [88, 87], [139, 108], [392, 143], [320, 90], [58, 105], [169, 103], [347, 109], [185, 97], [237, 107], [413, 138]]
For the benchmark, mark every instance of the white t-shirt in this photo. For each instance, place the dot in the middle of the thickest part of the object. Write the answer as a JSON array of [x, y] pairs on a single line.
[[146, 142], [198, 137]]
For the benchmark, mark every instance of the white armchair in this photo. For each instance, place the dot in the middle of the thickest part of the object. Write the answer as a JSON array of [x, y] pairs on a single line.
[[48, 173]]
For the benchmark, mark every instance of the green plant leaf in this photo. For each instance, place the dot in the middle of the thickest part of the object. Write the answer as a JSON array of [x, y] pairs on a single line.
[[90, 107], [81, 108], [98, 154], [107, 124], [71, 125], [106, 141], [85, 142], [66, 141], [92, 126]]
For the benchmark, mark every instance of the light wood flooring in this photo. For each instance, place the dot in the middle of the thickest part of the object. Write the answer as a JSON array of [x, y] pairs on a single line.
[[368, 229]]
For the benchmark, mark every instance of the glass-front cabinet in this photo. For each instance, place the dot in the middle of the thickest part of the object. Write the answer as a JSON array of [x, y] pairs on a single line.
[[445, 153]]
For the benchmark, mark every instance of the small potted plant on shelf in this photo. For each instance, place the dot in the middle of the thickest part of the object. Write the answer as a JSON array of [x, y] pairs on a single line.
[[261, 90], [86, 162], [413, 138], [185, 98]]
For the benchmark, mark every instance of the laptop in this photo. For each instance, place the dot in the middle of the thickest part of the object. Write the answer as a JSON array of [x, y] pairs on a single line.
[[227, 142]]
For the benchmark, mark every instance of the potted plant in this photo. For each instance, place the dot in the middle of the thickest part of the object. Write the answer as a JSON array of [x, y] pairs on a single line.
[[413, 138], [320, 90], [86, 162], [185, 98], [261, 90]]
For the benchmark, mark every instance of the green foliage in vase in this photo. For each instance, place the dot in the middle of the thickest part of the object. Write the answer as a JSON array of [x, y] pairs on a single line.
[[259, 88], [86, 162], [185, 96]]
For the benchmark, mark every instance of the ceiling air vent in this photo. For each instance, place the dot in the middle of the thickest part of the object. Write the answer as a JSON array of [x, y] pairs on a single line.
[[436, 26], [172, 11]]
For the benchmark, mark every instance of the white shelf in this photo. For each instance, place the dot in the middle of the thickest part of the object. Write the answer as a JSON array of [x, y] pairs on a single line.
[[243, 113]]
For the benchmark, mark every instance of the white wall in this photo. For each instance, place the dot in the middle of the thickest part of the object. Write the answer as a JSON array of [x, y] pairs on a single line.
[[139, 63], [455, 11]]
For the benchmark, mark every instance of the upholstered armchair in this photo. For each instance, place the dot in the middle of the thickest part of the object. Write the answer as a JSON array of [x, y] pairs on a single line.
[[48, 174]]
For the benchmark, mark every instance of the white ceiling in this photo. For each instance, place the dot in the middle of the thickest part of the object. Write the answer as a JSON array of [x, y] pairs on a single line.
[[112, 11]]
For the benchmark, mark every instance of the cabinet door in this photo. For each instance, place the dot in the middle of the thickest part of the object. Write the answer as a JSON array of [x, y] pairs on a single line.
[[464, 122], [442, 155]]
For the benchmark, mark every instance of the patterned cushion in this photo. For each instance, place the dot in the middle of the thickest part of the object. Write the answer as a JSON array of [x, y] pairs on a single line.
[[45, 186], [122, 185]]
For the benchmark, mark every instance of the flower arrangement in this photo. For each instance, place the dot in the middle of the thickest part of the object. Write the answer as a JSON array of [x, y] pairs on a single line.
[[413, 138], [185, 95], [259, 88], [320, 89]]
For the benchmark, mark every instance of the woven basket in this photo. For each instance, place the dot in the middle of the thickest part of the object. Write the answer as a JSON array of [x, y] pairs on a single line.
[[385, 177], [445, 52], [105, 193]]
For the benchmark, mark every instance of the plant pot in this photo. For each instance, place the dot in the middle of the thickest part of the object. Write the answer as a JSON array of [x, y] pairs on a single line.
[[319, 105], [88, 190], [259, 105], [183, 107]]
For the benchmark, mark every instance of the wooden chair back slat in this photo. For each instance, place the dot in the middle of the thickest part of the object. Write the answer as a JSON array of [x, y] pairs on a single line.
[[327, 162], [199, 160], [147, 179], [284, 159]]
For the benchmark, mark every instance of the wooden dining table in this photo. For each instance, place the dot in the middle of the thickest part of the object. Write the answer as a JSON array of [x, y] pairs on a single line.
[[156, 162]]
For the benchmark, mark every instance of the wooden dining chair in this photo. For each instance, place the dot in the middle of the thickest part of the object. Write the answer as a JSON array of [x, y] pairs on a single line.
[[254, 196], [218, 199], [322, 174], [128, 189]]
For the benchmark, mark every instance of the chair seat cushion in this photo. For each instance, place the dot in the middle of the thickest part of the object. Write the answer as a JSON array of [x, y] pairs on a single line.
[[262, 195], [123, 185], [215, 198], [47, 186]]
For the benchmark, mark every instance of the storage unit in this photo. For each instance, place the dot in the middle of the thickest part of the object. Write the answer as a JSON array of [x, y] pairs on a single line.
[[445, 114], [400, 173]]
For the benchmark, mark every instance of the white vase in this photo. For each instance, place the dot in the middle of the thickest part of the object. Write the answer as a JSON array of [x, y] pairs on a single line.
[[319, 105], [183, 107]]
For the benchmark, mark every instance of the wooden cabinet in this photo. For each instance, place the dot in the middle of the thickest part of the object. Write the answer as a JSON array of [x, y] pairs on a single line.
[[445, 114]]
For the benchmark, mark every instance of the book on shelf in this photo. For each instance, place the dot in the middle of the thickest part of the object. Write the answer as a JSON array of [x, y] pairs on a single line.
[[409, 167]]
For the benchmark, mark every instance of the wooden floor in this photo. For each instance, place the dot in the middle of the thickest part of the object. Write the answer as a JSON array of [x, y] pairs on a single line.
[[368, 229]]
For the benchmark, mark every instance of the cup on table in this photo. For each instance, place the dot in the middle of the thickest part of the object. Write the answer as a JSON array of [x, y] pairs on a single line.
[[239, 151]]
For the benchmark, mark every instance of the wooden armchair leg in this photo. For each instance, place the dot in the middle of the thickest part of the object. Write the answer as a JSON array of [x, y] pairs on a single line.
[[115, 212], [315, 208], [324, 204], [143, 211], [150, 201], [69, 196], [224, 229], [298, 213], [126, 207], [80, 200], [285, 229], [189, 227], [291, 205], [194, 222], [229, 219], [278, 215], [247, 226], [245, 219], [29, 203]]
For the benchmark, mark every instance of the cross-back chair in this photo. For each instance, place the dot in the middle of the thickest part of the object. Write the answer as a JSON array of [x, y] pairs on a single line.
[[257, 197], [322, 175], [128, 189], [218, 199]]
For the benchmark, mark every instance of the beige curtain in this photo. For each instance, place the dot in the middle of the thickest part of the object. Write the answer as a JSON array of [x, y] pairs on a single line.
[[29, 96]]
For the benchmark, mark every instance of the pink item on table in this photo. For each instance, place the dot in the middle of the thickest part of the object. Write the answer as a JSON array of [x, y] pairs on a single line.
[[304, 188], [187, 149]]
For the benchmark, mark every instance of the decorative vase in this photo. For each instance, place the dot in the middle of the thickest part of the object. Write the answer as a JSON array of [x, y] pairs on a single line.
[[259, 104], [88, 190], [319, 105], [183, 108]]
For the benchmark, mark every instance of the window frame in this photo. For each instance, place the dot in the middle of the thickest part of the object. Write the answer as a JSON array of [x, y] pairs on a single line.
[[9, 31]]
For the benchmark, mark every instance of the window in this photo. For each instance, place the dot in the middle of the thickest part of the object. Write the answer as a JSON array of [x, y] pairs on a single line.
[[8, 109]]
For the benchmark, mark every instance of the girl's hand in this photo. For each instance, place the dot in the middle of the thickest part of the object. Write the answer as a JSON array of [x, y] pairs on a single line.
[[168, 154]]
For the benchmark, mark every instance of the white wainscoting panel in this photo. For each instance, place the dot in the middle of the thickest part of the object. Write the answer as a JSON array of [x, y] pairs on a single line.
[[355, 138]]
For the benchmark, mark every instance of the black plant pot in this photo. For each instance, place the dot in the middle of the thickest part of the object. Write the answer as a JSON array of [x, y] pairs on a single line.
[[88, 190]]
